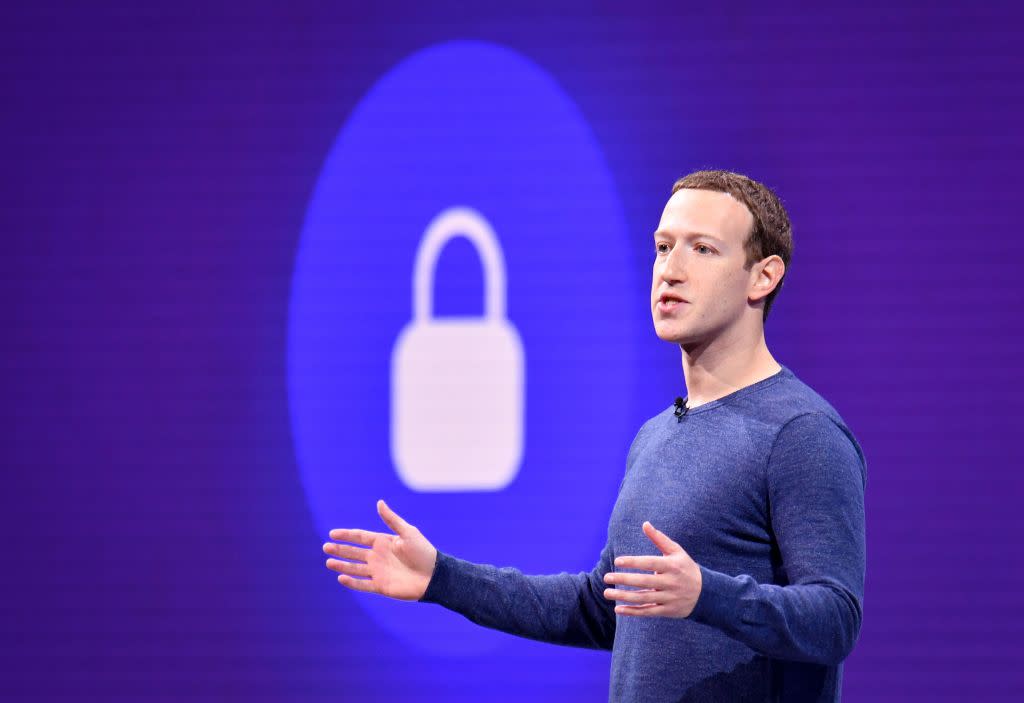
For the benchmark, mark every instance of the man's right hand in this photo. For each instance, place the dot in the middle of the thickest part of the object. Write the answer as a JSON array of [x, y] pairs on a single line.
[[398, 566]]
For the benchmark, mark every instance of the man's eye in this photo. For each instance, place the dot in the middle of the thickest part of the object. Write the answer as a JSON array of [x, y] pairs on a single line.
[[661, 248], [704, 248]]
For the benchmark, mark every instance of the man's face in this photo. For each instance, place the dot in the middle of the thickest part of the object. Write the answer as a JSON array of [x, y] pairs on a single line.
[[700, 287]]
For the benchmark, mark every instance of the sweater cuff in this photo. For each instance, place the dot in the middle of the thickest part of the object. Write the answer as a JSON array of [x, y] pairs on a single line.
[[440, 581], [719, 600]]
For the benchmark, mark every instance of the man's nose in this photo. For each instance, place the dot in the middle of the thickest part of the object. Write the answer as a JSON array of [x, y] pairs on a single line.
[[673, 269]]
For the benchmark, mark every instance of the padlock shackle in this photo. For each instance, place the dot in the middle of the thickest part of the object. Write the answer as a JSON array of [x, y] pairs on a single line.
[[447, 225]]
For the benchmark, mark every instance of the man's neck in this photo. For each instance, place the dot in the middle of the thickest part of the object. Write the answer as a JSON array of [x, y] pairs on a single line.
[[724, 367]]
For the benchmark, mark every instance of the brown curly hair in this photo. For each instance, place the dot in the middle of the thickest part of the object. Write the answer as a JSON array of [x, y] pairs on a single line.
[[772, 232]]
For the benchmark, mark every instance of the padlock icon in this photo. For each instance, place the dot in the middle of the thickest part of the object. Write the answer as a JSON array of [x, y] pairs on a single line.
[[458, 384]]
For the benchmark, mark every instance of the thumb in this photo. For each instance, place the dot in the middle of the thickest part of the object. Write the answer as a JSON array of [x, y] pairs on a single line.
[[392, 520], [661, 540]]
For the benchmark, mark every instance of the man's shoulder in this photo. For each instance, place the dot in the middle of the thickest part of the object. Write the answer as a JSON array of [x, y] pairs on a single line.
[[651, 425], [792, 397], [788, 402], [755, 415], [798, 404], [772, 403]]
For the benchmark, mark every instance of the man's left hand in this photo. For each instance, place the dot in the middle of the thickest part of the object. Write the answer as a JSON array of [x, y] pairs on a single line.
[[670, 591]]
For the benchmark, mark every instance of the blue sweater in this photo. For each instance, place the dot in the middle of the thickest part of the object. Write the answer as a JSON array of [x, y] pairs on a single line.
[[764, 488]]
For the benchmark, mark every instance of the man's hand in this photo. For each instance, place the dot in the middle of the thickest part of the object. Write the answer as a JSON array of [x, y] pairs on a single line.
[[671, 591], [398, 566]]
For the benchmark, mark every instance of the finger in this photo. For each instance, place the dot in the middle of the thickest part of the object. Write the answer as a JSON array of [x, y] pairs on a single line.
[[365, 585], [356, 536], [638, 580], [391, 518], [347, 551], [661, 540], [649, 595], [352, 568], [647, 610], [642, 563]]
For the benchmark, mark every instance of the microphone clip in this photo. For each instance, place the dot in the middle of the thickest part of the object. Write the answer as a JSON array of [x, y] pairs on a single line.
[[680, 410]]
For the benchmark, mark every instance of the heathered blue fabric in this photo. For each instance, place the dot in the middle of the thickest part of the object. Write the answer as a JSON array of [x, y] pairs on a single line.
[[764, 488]]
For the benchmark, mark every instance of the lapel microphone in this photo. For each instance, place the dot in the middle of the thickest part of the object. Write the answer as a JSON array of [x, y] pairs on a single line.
[[681, 409]]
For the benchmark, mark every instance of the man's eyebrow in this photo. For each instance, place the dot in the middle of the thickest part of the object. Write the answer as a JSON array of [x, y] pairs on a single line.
[[688, 235]]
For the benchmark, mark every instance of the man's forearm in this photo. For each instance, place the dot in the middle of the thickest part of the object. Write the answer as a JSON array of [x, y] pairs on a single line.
[[816, 623], [567, 609]]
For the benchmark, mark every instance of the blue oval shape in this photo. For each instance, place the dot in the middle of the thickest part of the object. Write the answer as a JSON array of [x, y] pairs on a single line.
[[474, 124]]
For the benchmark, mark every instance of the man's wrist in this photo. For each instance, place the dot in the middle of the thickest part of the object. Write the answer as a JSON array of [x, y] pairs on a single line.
[[717, 600], [438, 582]]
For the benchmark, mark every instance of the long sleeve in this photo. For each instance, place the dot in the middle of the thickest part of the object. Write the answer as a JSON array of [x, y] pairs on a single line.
[[567, 609], [816, 477]]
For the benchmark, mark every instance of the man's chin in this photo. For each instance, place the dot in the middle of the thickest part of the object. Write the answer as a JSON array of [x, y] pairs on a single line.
[[673, 336]]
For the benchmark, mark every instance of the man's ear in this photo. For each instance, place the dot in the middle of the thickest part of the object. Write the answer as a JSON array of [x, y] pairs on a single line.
[[769, 273]]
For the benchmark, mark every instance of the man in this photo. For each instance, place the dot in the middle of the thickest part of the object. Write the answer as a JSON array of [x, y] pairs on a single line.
[[734, 567]]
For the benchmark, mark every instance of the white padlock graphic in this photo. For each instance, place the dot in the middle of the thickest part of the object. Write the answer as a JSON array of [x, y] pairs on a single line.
[[458, 384]]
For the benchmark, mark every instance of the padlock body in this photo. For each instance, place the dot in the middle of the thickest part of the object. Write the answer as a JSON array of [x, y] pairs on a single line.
[[457, 404]]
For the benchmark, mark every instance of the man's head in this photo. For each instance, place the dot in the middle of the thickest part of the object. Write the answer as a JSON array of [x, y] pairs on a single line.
[[722, 248]]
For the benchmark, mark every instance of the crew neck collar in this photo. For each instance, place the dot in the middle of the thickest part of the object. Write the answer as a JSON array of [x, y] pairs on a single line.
[[782, 373]]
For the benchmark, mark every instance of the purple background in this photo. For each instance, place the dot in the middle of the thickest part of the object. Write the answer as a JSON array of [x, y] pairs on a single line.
[[158, 162]]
